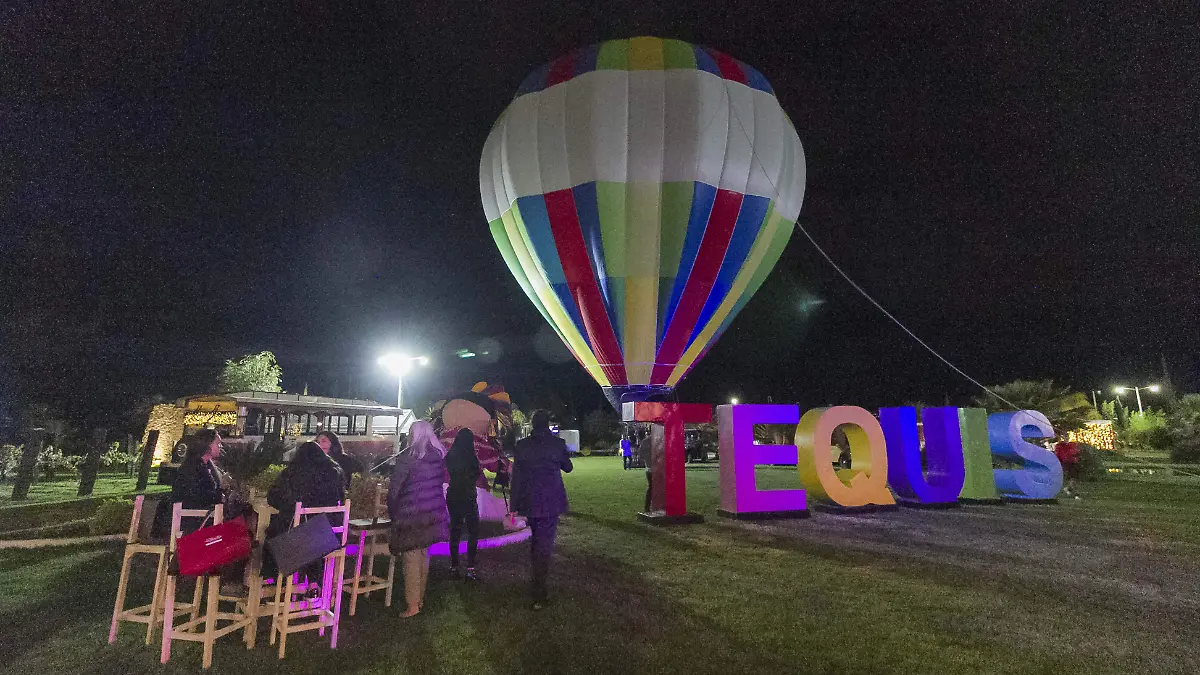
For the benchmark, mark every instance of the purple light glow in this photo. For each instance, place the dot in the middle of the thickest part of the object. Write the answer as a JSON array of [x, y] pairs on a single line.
[[443, 547]]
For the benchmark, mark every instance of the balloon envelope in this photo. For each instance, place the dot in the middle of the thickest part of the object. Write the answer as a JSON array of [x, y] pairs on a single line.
[[640, 191]]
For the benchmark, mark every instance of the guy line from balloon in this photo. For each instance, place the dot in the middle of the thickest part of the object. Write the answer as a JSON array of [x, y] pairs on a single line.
[[594, 282], [886, 457]]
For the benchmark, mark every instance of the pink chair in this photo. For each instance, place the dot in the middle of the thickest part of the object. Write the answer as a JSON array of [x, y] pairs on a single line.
[[294, 612]]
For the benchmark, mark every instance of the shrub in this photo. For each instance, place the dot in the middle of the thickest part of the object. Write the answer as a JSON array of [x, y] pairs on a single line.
[[362, 495], [10, 458], [1147, 431], [112, 517], [1091, 466], [51, 461], [265, 478], [1184, 428]]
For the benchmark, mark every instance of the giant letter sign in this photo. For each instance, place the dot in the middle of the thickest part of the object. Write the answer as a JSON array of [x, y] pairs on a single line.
[[944, 477], [867, 484], [672, 416], [980, 484], [740, 496], [1041, 475]]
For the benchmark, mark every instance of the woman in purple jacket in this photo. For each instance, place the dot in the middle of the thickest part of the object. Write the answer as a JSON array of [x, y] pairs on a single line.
[[417, 507], [538, 494]]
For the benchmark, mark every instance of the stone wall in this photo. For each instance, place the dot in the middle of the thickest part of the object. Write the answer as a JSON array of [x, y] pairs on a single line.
[[168, 419]]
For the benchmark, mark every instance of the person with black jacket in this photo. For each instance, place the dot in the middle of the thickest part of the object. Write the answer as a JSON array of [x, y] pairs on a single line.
[[314, 480], [332, 445], [197, 484], [463, 466], [538, 494]]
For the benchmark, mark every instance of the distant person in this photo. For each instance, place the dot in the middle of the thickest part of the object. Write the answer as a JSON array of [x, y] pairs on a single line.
[[332, 445], [626, 453], [417, 507], [844, 460], [1069, 456], [461, 500], [538, 494], [653, 436], [314, 480]]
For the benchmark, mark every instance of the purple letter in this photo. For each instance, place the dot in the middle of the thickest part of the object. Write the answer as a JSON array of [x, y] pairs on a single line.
[[945, 473], [740, 496]]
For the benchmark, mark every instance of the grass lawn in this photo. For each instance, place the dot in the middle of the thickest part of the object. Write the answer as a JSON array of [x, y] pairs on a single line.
[[1105, 584], [64, 489]]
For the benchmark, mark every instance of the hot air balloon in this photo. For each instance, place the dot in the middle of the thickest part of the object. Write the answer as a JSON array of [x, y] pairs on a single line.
[[640, 191]]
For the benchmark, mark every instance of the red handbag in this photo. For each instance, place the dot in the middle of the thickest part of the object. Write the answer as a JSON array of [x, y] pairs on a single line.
[[208, 549]]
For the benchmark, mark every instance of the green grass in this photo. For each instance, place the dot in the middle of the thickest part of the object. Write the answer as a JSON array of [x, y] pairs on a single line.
[[66, 488], [1105, 584]]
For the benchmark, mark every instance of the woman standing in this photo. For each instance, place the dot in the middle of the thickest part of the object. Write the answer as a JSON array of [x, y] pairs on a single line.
[[417, 507], [463, 467]]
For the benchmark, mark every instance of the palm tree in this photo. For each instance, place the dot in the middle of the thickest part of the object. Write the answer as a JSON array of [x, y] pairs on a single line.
[[1067, 410]]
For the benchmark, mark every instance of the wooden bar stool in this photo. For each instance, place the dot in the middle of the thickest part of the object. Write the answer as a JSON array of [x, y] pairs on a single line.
[[138, 541], [325, 611], [202, 629], [265, 606], [370, 535]]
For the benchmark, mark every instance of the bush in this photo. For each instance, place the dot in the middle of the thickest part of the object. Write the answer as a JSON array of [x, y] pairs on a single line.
[[112, 517], [1091, 466], [1147, 431], [51, 461], [265, 478], [10, 458], [1184, 428], [362, 495]]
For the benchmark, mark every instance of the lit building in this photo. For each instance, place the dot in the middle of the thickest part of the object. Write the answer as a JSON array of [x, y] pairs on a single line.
[[251, 416]]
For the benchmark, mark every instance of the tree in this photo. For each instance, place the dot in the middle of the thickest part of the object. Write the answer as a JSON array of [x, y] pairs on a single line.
[[252, 372], [1146, 431], [1184, 426], [601, 427], [1066, 410]]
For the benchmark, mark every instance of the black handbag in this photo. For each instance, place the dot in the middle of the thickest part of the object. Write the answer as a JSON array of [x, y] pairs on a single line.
[[306, 543]]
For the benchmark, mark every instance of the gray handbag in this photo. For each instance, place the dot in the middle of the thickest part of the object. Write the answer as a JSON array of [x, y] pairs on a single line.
[[306, 543]]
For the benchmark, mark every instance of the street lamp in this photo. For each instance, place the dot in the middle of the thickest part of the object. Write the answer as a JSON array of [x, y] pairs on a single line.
[[400, 365], [1137, 391], [733, 400]]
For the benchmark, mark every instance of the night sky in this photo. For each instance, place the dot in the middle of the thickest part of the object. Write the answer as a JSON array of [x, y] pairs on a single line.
[[186, 183]]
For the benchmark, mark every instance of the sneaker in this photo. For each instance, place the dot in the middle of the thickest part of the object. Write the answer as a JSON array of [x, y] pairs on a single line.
[[313, 592], [470, 575]]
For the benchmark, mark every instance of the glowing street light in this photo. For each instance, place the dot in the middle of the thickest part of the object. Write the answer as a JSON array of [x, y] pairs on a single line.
[[733, 400], [1137, 391], [400, 365]]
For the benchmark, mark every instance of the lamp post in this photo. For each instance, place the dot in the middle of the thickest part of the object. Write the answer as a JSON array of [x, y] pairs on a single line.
[[400, 365], [1137, 391]]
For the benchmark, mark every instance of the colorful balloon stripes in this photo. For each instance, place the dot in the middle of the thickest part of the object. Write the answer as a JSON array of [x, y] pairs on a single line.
[[640, 196]]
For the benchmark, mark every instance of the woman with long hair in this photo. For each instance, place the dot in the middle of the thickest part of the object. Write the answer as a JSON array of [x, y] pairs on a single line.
[[461, 502], [332, 445], [314, 480], [417, 507], [197, 483]]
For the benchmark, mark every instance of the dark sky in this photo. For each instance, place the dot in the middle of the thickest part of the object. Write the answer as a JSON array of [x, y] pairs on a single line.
[[184, 183]]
